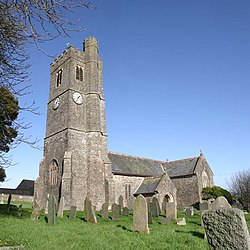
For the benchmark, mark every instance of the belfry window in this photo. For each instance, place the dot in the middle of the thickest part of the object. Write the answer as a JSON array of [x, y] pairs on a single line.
[[53, 173], [59, 78], [79, 73]]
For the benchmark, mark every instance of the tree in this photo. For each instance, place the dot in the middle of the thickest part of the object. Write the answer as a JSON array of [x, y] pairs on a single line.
[[216, 191], [240, 188], [23, 23]]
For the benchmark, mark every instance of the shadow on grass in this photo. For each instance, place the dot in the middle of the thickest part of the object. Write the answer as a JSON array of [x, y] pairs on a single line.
[[13, 211], [194, 233], [124, 228], [196, 223], [83, 219]]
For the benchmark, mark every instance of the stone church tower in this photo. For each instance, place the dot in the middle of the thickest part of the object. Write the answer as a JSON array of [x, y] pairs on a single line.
[[75, 162]]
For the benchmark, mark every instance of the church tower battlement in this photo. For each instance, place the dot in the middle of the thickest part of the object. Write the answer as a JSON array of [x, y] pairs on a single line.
[[75, 162]]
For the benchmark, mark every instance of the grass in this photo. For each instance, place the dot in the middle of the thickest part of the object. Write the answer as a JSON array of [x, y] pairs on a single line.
[[106, 234]]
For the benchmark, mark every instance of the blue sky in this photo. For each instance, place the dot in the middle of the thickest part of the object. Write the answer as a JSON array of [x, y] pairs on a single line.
[[176, 80]]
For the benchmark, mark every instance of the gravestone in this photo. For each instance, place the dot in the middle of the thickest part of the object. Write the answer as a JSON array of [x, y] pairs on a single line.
[[226, 228], [181, 222], [120, 201], [60, 208], [72, 212], [189, 211], [19, 210], [131, 201], [120, 209], [35, 213], [105, 210], [140, 215], [125, 211], [155, 200], [52, 210], [115, 211], [204, 207], [220, 202], [8, 203], [150, 221], [170, 210], [90, 211]]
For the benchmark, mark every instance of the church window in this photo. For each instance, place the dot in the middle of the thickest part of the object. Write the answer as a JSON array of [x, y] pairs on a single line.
[[59, 78], [127, 191], [53, 173], [79, 73], [205, 179]]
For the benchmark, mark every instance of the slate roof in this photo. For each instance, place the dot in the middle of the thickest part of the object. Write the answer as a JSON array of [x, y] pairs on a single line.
[[181, 167], [148, 185], [26, 184], [135, 166]]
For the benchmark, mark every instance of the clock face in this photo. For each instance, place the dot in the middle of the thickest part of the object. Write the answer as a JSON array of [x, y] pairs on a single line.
[[56, 103], [77, 97]]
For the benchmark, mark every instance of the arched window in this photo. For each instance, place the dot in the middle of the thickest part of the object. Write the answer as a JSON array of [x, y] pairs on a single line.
[[205, 179], [59, 78], [53, 173]]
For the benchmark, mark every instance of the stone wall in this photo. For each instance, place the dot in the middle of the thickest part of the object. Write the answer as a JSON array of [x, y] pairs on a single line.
[[119, 185], [187, 191]]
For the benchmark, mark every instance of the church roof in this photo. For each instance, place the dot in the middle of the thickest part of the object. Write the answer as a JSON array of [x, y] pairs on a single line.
[[136, 166], [26, 184], [181, 167], [148, 186]]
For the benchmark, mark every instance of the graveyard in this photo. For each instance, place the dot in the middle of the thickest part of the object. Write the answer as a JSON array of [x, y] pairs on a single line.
[[78, 232]]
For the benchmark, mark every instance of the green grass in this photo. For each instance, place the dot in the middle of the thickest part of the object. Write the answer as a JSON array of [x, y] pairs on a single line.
[[106, 234]]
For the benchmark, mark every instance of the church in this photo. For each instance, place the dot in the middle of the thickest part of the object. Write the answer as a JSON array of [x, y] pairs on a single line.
[[76, 162]]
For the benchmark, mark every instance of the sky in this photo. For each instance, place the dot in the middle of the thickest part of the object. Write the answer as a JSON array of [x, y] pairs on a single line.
[[176, 81]]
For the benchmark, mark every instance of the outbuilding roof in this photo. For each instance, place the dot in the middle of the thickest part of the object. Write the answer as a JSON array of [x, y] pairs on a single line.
[[148, 186]]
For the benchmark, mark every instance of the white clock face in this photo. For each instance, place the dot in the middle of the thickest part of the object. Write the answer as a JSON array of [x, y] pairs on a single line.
[[56, 103], [77, 97]]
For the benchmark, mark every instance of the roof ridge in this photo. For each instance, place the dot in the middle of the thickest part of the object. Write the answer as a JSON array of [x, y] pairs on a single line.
[[136, 157], [191, 158]]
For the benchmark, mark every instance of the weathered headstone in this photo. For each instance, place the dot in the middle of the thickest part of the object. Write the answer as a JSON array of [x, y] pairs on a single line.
[[72, 212], [52, 210], [120, 201], [105, 210], [125, 211], [8, 203], [226, 228], [60, 208], [19, 210], [170, 210], [189, 211], [90, 211], [115, 211], [120, 209], [220, 202], [140, 215], [181, 222], [204, 207], [155, 200], [150, 221], [35, 213], [131, 201]]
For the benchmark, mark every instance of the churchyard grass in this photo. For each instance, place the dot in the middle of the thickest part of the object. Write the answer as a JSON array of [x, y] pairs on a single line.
[[106, 234]]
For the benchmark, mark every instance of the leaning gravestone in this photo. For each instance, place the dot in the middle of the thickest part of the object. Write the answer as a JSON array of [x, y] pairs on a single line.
[[115, 211], [90, 211], [120, 201], [52, 210], [170, 210], [140, 215], [60, 208], [105, 210], [72, 212], [8, 203], [125, 211], [35, 213], [226, 228]]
